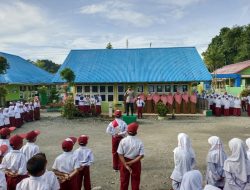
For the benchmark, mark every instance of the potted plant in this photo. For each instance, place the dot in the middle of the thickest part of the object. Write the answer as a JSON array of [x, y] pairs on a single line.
[[162, 110]]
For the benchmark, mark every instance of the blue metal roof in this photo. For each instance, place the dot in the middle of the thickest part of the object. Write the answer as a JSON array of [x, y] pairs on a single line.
[[136, 65], [23, 72]]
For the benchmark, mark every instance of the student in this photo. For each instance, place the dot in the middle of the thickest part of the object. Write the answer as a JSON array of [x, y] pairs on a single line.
[[36, 168], [192, 180], [14, 163], [231, 108], [37, 109], [226, 107], [30, 148], [98, 105], [248, 145], [218, 106], [31, 112], [85, 158], [248, 105], [48, 177], [215, 162], [12, 114], [4, 137], [237, 107], [6, 117], [131, 151], [1, 118], [140, 104], [18, 118], [66, 166], [237, 167], [3, 184], [184, 159], [118, 129]]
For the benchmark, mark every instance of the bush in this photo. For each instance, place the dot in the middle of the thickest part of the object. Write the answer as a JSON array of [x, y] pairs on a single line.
[[69, 110], [162, 109], [245, 93]]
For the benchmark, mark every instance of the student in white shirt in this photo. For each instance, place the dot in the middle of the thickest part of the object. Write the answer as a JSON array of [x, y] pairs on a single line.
[[18, 118], [1, 118], [66, 166], [6, 117], [226, 107], [215, 162], [12, 114], [30, 148], [14, 163], [140, 105], [3, 183], [248, 146], [36, 168], [98, 105], [4, 137], [131, 151], [118, 129], [237, 107], [192, 180], [184, 160], [218, 106], [86, 158]]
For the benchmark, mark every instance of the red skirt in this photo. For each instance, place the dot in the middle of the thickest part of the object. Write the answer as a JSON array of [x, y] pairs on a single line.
[[70, 184], [98, 109], [12, 121], [237, 111], [18, 122], [218, 112], [248, 110], [231, 111], [226, 112], [13, 181], [31, 115], [81, 109]]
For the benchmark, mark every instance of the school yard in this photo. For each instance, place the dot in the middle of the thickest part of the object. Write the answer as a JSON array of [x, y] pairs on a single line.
[[159, 137]]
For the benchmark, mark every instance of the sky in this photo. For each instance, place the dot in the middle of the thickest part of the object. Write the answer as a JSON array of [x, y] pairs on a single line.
[[49, 29]]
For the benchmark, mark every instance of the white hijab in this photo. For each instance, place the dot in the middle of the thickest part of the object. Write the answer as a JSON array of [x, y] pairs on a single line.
[[192, 180], [237, 163], [248, 143], [216, 153], [184, 143]]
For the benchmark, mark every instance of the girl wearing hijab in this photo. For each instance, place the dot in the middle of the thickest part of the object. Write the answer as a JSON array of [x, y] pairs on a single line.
[[237, 167], [215, 162], [192, 180], [248, 145], [184, 159], [211, 187]]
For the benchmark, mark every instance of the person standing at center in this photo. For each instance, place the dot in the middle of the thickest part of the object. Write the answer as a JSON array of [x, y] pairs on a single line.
[[118, 129], [129, 101]]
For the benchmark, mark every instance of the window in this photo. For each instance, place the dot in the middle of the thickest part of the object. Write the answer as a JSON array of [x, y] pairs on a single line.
[[95, 89], [102, 88], [78, 89], [30, 88], [110, 98], [150, 88], [103, 97], [86, 88], [167, 88], [184, 88], [120, 97], [110, 89], [22, 88], [175, 88], [140, 88], [121, 89], [159, 88]]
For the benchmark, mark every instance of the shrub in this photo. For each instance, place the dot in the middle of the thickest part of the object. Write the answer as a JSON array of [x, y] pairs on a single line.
[[69, 110], [245, 93], [162, 109]]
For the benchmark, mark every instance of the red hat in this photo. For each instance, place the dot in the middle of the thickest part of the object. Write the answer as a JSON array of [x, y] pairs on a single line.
[[3, 149], [83, 139], [6, 131], [32, 134], [68, 144], [132, 127], [118, 113], [16, 141]]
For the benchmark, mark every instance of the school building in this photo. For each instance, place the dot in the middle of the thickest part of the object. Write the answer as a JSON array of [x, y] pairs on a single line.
[[109, 72], [22, 78], [232, 78]]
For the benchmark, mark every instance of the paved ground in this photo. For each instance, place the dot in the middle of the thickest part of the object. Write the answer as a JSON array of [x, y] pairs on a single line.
[[159, 137]]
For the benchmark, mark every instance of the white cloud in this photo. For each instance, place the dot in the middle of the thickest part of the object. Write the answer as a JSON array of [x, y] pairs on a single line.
[[119, 11]]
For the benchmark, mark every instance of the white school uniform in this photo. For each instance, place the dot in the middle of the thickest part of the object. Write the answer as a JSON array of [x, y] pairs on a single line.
[[131, 147], [237, 103], [6, 116], [226, 104], [29, 150], [140, 103], [32, 183], [17, 112], [1, 119], [121, 129], [84, 155], [248, 151], [192, 180], [99, 101], [6, 142], [15, 161], [11, 111], [66, 162], [51, 180], [218, 103], [3, 184]]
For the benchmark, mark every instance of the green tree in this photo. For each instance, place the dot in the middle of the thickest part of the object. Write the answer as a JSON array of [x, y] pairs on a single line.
[[232, 45], [68, 75], [109, 46], [47, 65], [3, 65]]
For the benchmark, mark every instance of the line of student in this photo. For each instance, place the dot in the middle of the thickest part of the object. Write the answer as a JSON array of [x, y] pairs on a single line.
[[70, 168], [228, 173], [17, 113]]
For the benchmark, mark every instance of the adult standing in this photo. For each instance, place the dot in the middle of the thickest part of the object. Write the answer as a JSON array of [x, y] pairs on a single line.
[[130, 101], [131, 151], [117, 129]]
